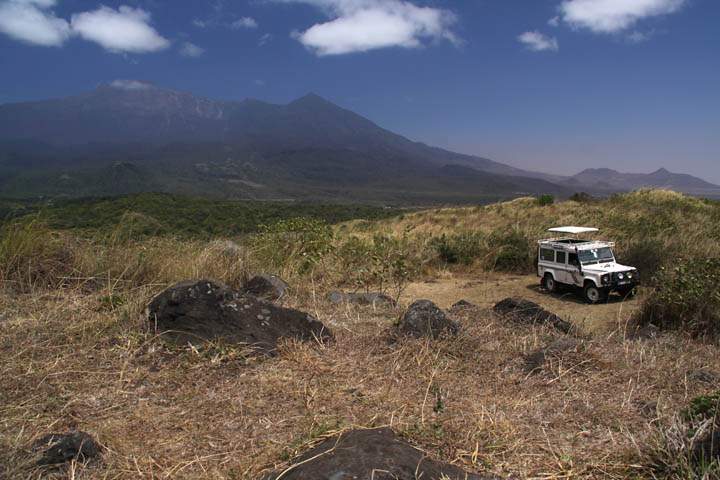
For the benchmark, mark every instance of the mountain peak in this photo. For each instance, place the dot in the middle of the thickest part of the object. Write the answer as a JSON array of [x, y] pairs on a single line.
[[130, 85], [312, 99], [661, 171]]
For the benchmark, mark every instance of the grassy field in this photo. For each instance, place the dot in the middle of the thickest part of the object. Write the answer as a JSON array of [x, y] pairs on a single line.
[[77, 352]]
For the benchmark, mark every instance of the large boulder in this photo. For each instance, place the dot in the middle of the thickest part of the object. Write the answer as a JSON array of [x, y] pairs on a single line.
[[424, 319], [368, 298], [520, 310], [268, 287], [200, 311], [376, 454], [58, 448]]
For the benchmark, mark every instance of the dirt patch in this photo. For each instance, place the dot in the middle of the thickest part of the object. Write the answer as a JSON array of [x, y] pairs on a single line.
[[198, 312], [374, 454]]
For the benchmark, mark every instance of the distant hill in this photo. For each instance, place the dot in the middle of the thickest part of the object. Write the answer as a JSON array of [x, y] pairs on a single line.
[[605, 179], [131, 137]]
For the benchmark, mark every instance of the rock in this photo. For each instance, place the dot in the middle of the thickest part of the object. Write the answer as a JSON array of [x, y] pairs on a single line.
[[424, 319], [646, 332], [703, 376], [535, 360], [375, 454], [707, 449], [200, 311], [524, 311], [462, 305], [369, 298], [59, 448], [267, 287]]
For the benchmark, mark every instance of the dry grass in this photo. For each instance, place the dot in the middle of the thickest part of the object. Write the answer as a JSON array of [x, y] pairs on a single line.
[[70, 361], [76, 354]]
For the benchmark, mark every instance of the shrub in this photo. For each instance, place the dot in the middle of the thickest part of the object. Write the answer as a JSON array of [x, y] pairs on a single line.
[[30, 254], [296, 245], [687, 298], [648, 256], [462, 248], [510, 251], [581, 197], [546, 199]]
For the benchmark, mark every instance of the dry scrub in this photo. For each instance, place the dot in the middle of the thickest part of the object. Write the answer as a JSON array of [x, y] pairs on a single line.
[[76, 354]]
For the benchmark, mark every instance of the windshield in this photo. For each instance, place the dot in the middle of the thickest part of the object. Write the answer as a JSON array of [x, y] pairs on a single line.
[[596, 255]]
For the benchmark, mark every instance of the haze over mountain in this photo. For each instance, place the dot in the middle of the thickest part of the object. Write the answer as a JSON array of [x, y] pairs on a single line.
[[130, 136]]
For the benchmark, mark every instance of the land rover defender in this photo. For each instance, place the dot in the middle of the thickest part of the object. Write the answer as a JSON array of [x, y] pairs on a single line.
[[586, 264]]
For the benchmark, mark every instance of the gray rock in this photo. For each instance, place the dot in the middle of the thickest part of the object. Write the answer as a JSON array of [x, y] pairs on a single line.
[[267, 287], [58, 448], [520, 310], [373, 454], [535, 360], [703, 376], [707, 449], [424, 319], [205, 311]]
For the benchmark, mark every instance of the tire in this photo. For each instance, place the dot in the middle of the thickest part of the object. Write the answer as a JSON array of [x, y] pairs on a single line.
[[594, 295], [549, 283]]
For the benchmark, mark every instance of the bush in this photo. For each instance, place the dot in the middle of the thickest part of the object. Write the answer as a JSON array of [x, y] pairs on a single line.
[[32, 255], [296, 245], [648, 256], [462, 248], [581, 197], [687, 298], [510, 252], [546, 199]]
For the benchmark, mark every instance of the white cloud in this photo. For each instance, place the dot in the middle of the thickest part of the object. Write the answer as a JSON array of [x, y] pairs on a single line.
[[191, 50], [131, 85], [612, 16], [244, 22], [537, 42], [554, 21], [362, 25], [31, 22], [124, 30], [265, 39]]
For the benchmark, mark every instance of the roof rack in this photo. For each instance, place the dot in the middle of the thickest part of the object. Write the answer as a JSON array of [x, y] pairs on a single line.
[[573, 230]]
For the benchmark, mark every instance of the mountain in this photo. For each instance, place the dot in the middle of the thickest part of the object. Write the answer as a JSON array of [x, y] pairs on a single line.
[[608, 180], [130, 136]]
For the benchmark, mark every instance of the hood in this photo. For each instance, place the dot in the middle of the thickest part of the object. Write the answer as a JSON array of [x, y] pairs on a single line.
[[610, 267]]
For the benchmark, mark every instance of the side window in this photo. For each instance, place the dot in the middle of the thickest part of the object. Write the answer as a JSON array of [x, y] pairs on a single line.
[[560, 258], [573, 259], [547, 255]]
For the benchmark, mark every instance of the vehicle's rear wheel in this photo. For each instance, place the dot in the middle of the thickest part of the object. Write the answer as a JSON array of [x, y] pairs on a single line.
[[594, 294], [549, 283]]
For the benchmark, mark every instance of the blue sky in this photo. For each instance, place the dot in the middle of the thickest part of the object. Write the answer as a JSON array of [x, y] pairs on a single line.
[[551, 85]]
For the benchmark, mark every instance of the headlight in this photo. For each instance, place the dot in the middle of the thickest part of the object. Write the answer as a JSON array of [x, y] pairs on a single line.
[[606, 278], [621, 276], [630, 274]]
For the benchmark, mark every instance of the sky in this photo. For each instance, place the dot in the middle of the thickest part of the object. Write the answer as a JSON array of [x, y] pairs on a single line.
[[548, 85]]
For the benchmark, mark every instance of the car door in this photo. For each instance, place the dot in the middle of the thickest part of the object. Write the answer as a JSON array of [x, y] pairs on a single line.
[[561, 267], [574, 275]]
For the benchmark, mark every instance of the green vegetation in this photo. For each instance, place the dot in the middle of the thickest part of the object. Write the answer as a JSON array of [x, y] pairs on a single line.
[[686, 298], [546, 199], [153, 214]]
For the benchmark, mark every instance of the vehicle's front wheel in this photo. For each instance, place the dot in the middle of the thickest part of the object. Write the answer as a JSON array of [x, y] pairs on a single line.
[[594, 294], [549, 283]]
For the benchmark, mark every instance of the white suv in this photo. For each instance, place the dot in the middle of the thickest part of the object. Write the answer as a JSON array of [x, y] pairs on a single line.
[[587, 264]]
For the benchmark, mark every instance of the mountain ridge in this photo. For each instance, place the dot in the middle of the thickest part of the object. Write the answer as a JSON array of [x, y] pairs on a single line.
[[183, 143]]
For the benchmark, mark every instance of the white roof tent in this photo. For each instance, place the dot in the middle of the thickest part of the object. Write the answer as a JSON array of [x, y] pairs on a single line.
[[573, 230]]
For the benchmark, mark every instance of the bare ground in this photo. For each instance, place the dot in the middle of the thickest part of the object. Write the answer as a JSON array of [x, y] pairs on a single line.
[[71, 360]]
